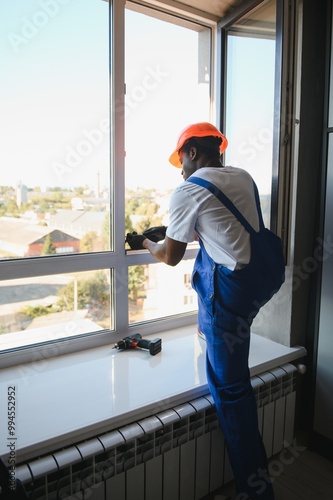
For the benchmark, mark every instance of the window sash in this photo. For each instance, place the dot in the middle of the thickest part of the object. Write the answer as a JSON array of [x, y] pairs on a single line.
[[117, 259], [281, 166]]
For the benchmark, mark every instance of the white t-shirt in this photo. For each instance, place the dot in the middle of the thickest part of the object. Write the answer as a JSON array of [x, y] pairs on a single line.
[[194, 208]]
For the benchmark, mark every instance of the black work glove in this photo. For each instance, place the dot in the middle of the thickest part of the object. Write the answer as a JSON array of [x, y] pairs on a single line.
[[135, 240], [156, 233]]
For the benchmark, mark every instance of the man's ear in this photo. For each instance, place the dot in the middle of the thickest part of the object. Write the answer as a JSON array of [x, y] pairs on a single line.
[[193, 153]]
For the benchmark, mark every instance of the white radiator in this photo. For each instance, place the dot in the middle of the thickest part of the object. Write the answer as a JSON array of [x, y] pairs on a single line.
[[177, 454]]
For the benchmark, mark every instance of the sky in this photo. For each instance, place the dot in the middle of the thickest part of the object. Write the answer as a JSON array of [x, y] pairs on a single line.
[[54, 86], [54, 96], [172, 100], [250, 100]]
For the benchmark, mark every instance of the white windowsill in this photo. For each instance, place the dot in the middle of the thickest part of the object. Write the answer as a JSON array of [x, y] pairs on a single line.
[[65, 400]]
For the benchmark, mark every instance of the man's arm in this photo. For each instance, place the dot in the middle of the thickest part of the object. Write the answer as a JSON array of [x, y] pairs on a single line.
[[170, 251]]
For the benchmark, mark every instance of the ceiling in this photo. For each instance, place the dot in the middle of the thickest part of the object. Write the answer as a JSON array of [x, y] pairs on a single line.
[[218, 8]]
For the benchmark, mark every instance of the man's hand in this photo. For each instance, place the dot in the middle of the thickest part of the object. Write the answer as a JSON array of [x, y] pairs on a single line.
[[169, 251], [135, 240], [156, 233]]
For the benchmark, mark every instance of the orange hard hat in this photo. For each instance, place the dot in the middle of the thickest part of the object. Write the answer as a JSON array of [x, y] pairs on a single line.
[[203, 129]]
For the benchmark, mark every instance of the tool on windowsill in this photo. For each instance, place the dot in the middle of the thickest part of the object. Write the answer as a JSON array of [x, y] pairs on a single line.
[[136, 340]]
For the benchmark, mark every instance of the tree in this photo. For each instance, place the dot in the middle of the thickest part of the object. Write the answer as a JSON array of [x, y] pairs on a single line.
[[142, 205], [128, 224], [94, 290], [44, 205], [79, 191], [48, 247], [131, 204], [25, 206], [12, 207], [106, 231], [87, 241], [7, 190], [136, 279]]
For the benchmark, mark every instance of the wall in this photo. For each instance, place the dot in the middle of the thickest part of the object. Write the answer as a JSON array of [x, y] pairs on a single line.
[[309, 167], [323, 411]]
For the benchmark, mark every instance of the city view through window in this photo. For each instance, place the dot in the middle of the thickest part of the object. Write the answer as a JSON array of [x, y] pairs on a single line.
[[56, 184], [55, 157], [57, 175], [164, 93]]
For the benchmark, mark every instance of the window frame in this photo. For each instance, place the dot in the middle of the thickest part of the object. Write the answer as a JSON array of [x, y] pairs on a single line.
[[288, 34], [285, 137], [188, 18], [116, 259]]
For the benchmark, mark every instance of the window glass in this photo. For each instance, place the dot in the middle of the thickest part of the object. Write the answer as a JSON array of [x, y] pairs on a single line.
[[54, 127], [250, 97], [56, 165], [157, 290], [45, 308], [167, 71], [168, 86]]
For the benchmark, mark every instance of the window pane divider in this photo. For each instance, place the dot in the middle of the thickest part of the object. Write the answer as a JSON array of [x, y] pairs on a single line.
[[138, 257], [44, 266]]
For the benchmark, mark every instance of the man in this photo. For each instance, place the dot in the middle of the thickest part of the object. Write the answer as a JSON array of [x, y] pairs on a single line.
[[231, 286]]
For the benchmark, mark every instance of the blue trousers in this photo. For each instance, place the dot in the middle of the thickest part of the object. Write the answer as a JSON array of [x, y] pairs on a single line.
[[226, 311]]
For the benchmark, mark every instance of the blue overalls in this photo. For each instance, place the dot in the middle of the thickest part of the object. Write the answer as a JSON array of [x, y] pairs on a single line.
[[227, 303]]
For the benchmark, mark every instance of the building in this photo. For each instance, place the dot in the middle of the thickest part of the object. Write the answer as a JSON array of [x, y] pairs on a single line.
[[17, 238], [21, 194], [78, 222]]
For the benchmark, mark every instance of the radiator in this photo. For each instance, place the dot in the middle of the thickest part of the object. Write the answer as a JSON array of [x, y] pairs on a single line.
[[177, 454]]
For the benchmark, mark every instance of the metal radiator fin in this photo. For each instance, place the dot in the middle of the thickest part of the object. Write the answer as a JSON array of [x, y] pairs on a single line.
[[175, 454]]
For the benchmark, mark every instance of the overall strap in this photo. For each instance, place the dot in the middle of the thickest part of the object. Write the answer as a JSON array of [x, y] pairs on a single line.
[[228, 203], [256, 194]]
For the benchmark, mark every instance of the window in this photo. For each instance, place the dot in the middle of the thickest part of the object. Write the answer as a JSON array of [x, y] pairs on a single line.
[[168, 86], [55, 184], [249, 97], [55, 192], [187, 280], [45, 308], [68, 194], [157, 291]]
